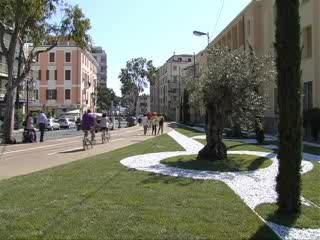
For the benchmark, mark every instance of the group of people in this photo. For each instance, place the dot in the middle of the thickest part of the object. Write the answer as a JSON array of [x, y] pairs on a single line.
[[90, 124], [29, 127], [155, 121]]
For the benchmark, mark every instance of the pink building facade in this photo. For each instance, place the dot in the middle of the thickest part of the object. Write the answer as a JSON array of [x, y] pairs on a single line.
[[65, 80]]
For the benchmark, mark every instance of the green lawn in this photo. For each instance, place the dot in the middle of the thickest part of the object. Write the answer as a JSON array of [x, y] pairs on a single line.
[[188, 132], [98, 198], [311, 185], [234, 163], [308, 218]]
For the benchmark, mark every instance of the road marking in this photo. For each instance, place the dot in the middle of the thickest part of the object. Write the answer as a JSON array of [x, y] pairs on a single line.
[[30, 149], [73, 149]]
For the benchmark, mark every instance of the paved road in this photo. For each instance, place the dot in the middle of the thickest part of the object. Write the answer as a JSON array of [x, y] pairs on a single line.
[[22, 159], [63, 133]]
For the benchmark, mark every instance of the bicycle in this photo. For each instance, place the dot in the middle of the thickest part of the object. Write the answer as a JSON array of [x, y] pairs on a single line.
[[105, 136], [86, 142]]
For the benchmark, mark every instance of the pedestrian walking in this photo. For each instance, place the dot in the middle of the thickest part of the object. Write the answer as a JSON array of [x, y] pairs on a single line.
[[154, 123], [30, 127], [161, 122], [42, 121], [144, 122]]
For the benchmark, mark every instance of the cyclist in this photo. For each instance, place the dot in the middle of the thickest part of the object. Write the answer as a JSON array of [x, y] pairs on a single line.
[[104, 124], [88, 124]]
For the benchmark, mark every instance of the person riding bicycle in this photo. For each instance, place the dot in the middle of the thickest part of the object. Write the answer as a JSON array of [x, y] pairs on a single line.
[[88, 124], [104, 123]]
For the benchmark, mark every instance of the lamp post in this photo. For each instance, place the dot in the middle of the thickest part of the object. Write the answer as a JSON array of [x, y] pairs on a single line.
[[199, 34]]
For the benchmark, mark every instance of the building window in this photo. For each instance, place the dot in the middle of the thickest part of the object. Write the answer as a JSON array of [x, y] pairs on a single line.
[[307, 42], [307, 95], [48, 75], [175, 68], [67, 94], [51, 57], [68, 57], [68, 74], [51, 94], [180, 59], [189, 60], [36, 94], [39, 75], [56, 74], [37, 58], [175, 79]]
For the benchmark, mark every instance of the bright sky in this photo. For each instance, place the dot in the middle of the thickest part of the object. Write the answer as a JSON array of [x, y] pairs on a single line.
[[154, 29]]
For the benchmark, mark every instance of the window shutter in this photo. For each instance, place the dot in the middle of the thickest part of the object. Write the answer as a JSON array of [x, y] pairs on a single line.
[[39, 75], [48, 74], [55, 74], [47, 94], [55, 94]]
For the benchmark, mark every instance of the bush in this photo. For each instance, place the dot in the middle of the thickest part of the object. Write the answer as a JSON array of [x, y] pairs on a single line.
[[311, 119], [19, 118]]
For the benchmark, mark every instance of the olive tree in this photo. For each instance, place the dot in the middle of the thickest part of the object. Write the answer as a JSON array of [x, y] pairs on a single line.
[[228, 89]]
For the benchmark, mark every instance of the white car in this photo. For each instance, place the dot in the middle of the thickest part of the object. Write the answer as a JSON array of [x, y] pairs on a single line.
[[52, 124], [66, 123]]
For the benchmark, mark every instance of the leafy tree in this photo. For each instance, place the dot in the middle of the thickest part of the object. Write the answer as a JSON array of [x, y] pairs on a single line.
[[105, 97], [228, 90], [134, 79], [186, 106], [288, 63], [31, 21]]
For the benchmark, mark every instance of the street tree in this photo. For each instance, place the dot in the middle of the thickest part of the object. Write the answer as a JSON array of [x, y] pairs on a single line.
[[32, 21], [134, 79], [105, 97], [228, 90], [288, 62]]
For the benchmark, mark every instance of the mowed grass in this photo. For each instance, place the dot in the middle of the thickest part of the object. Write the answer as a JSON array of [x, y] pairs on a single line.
[[308, 218], [188, 131], [234, 163], [98, 198], [311, 185]]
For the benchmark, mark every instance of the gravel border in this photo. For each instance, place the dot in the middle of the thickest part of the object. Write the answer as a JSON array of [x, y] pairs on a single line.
[[253, 187]]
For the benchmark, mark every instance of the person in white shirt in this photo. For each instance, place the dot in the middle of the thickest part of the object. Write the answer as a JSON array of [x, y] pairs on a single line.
[[144, 123], [104, 123], [42, 121]]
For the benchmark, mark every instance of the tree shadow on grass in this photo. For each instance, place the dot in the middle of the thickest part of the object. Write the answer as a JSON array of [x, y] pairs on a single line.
[[266, 233], [158, 178]]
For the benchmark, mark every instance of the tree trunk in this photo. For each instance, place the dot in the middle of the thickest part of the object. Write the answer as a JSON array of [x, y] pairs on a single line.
[[9, 116], [215, 148], [290, 111]]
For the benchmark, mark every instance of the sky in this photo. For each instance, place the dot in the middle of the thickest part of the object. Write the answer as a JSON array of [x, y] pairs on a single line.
[[153, 29]]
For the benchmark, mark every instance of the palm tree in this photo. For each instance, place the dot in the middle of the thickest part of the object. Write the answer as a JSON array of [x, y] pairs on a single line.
[[288, 61]]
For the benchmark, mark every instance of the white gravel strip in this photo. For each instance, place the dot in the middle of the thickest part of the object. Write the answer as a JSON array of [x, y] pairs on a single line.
[[253, 187]]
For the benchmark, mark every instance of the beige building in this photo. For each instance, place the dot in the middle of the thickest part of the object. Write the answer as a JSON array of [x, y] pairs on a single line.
[[65, 80], [254, 26], [143, 105], [167, 90]]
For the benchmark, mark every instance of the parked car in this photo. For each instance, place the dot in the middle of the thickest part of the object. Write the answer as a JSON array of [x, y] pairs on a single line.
[[132, 121], [66, 123], [53, 124]]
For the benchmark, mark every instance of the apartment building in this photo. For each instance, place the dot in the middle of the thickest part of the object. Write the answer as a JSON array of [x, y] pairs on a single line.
[[254, 26], [167, 91], [143, 105], [65, 80], [101, 57]]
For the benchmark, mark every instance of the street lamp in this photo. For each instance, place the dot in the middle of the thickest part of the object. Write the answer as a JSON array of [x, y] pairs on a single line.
[[199, 34]]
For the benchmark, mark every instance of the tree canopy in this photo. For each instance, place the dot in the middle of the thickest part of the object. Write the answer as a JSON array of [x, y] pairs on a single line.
[[34, 22], [134, 79], [105, 96]]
